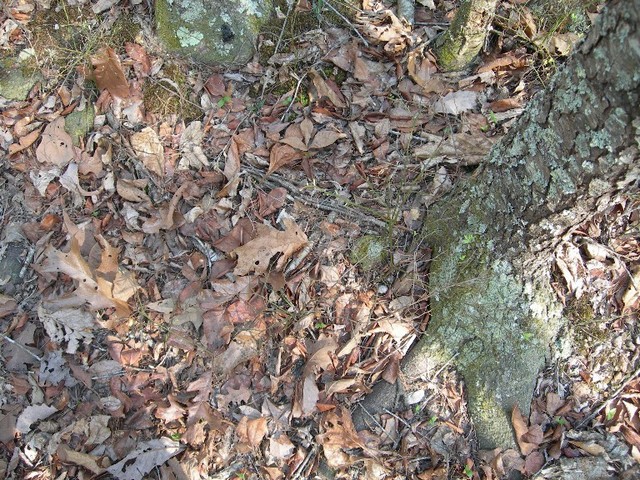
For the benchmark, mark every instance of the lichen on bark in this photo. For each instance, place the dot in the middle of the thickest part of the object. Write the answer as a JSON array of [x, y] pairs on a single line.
[[493, 311], [465, 37]]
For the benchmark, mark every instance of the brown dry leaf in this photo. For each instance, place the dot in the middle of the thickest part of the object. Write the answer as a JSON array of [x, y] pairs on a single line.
[[326, 137], [256, 254], [324, 90], [56, 147], [282, 155], [25, 142], [141, 62], [109, 74], [252, 431], [521, 430], [421, 70], [90, 462], [93, 288], [149, 149], [8, 305]]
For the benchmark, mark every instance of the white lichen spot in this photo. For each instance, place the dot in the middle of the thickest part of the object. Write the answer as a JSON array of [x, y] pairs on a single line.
[[193, 10], [188, 38], [250, 7]]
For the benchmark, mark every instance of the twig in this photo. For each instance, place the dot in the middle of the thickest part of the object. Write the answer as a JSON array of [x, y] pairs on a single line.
[[346, 20], [21, 347], [339, 209]]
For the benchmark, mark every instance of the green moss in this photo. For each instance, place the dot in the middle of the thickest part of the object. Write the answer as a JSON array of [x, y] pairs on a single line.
[[64, 37], [168, 96]]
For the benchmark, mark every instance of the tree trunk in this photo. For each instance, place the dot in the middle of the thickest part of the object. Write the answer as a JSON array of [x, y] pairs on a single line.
[[463, 40], [494, 314]]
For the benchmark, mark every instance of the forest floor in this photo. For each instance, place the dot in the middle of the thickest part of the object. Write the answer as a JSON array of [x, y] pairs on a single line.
[[204, 270]]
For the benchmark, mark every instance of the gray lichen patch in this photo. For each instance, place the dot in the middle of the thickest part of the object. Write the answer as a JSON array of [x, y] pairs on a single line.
[[211, 31]]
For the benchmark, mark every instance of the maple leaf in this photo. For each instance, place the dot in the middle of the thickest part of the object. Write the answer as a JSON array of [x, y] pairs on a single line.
[[256, 254]]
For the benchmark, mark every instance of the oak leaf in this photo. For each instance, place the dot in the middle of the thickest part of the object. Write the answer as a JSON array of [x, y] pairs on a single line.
[[256, 254]]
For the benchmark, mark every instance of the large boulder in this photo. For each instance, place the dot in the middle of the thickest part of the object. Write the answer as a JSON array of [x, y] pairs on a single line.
[[211, 31]]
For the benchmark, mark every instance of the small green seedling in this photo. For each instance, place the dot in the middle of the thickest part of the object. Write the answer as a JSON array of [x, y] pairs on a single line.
[[320, 325], [468, 471], [527, 336], [433, 420], [223, 101], [468, 239], [560, 420], [610, 414]]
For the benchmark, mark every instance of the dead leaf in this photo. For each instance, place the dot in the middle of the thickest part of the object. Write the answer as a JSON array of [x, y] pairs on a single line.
[[324, 90], [108, 73], [141, 62], [147, 145], [282, 155], [32, 414], [326, 137], [458, 102], [147, 456], [521, 429], [56, 147], [310, 395], [256, 254]]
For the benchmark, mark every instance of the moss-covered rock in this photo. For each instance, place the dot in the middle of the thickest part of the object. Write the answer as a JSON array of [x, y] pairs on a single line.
[[80, 122], [17, 78], [369, 252], [211, 31]]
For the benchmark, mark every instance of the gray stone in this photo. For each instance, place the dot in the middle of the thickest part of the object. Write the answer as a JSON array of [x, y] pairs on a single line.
[[16, 78], [211, 31]]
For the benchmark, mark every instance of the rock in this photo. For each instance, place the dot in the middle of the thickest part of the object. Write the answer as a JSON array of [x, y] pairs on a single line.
[[211, 31], [80, 122], [368, 252], [16, 78]]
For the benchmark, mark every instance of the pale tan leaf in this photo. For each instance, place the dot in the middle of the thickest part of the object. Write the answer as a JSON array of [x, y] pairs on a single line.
[[256, 254], [310, 395], [90, 462], [326, 137], [147, 145], [56, 147]]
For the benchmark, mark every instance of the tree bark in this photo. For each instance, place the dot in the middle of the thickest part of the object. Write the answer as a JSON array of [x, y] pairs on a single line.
[[462, 41], [494, 313]]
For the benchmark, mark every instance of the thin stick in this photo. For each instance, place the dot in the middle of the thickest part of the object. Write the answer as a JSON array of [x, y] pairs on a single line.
[[346, 20]]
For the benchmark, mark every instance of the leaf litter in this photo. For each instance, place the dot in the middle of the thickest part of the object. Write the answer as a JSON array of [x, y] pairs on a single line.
[[199, 316]]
